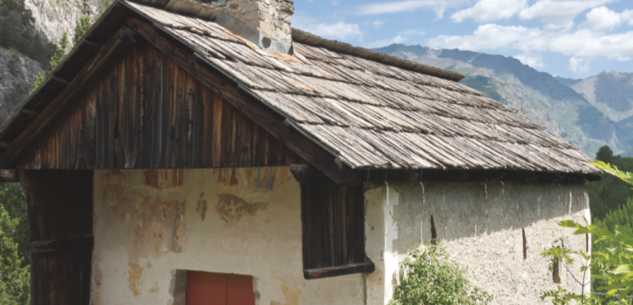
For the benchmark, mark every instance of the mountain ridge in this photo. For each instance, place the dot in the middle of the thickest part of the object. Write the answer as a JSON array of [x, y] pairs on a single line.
[[557, 103]]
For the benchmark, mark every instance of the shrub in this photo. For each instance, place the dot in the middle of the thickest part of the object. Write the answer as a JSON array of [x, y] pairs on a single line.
[[431, 278]]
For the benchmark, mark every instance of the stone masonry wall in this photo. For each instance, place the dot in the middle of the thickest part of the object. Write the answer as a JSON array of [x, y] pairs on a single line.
[[272, 18], [480, 224]]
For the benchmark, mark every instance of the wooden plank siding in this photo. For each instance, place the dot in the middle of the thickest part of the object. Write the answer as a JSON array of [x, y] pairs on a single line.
[[60, 225], [145, 111], [333, 229]]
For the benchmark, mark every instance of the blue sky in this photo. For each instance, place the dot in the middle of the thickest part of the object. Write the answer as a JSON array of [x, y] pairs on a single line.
[[569, 38]]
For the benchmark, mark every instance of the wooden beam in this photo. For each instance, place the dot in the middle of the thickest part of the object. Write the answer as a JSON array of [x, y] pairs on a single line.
[[73, 244], [128, 34], [306, 173], [8, 175], [60, 80], [311, 274], [262, 115], [92, 45], [29, 112], [60, 102]]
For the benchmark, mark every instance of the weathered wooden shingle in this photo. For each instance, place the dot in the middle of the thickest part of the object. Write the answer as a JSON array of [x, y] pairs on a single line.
[[375, 115]]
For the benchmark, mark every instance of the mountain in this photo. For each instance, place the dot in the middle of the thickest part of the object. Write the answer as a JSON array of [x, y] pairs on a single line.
[[557, 103], [612, 93], [30, 33]]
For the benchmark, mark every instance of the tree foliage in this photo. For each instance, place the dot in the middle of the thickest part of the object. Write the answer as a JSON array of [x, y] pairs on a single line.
[[609, 193], [83, 25], [432, 278], [60, 53], [14, 249]]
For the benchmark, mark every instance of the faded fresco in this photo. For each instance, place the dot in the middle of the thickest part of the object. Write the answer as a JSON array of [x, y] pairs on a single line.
[[149, 223], [153, 203]]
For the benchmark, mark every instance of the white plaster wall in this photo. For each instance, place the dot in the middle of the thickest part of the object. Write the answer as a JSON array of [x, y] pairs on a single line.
[[480, 225], [145, 228]]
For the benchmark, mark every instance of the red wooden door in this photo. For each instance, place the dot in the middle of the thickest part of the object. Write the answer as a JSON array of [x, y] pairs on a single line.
[[205, 288]]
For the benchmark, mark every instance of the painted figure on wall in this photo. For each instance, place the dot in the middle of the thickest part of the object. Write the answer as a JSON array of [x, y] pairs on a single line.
[[201, 209], [232, 208]]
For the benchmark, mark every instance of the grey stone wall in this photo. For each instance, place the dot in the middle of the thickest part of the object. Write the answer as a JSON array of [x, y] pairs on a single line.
[[481, 225]]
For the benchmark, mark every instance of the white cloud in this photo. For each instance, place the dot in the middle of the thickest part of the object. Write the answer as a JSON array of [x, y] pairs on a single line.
[[582, 43], [492, 36], [534, 61], [414, 32], [386, 42], [439, 6], [602, 18], [336, 30], [578, 65], [490, 10], [559, 13], [377, 23]]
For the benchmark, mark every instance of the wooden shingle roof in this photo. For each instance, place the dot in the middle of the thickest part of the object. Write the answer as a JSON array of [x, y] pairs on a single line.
[[373, 111]]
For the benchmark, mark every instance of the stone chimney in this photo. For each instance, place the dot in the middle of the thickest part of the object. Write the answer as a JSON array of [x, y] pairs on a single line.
[[265, 23]]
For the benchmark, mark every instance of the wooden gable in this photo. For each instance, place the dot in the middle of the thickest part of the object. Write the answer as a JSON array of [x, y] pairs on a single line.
[[145, 101], [144, 111]]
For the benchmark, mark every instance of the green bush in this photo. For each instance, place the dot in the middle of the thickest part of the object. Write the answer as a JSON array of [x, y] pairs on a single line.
[[433, 279], [14, 249]]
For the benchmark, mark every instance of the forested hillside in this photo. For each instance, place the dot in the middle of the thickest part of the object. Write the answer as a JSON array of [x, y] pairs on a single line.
[[609, 193]]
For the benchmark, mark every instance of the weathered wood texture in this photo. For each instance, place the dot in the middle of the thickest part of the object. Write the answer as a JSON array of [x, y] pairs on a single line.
[[333, 221], [60, 226], [147, 112], [373, 115]]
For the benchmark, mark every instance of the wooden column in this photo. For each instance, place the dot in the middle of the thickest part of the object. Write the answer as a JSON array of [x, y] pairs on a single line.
[[60, 227]]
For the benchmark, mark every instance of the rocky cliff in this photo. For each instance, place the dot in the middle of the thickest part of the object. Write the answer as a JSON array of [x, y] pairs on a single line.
[[30, 29], [54, 17], [17, 73]]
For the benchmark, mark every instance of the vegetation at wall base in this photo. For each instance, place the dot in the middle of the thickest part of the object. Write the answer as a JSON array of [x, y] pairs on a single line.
[[432, 278]]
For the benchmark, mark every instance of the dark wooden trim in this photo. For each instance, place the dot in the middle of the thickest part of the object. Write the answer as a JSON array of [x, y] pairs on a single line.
[[60, 80], [29, 112], [311, 274], [262, 115], [306, 173], [73, 244], [454, 175]]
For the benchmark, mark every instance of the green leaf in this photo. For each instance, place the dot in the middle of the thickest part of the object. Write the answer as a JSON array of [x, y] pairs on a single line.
[[622, 269]]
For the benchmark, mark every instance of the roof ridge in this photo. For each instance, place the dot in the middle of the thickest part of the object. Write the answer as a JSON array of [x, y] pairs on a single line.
[[346, 48]]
